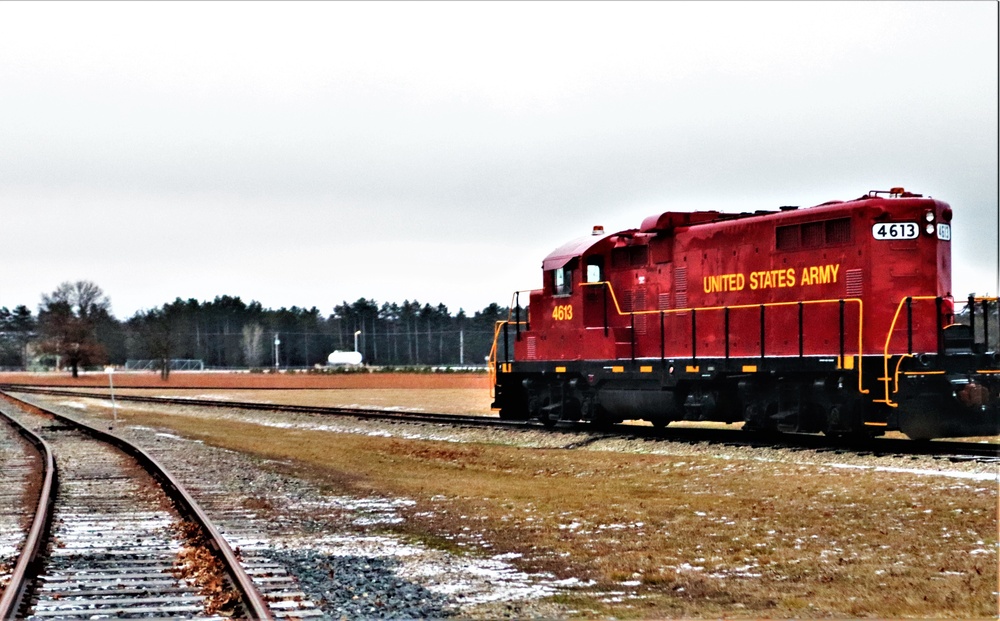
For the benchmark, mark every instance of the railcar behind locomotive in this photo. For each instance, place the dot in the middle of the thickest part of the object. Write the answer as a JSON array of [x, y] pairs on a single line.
[[837, 318]]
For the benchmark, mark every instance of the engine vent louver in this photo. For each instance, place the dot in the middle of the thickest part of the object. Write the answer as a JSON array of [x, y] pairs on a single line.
[[680, 287], [855, 283]]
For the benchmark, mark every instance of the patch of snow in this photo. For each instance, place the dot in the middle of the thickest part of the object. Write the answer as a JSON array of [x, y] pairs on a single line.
[[468, 580], [957, 474], [689, 567], [573, 582], [206, 397], [370, 511]]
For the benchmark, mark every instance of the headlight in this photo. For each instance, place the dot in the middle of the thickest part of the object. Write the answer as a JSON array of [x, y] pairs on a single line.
[[930, 229], [929, 216]]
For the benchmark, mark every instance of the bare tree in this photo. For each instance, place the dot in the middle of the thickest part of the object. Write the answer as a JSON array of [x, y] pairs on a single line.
[[253, 344], [67, 318]]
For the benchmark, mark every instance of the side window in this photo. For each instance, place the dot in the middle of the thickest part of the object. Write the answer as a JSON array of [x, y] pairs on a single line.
[[562, 281], [594, 271]]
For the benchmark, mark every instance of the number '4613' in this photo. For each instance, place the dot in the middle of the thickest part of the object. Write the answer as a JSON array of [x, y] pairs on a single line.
[[563, 312], [896, 230]]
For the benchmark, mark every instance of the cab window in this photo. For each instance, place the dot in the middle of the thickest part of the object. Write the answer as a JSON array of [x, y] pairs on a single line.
[[594, 271], [562, 281]]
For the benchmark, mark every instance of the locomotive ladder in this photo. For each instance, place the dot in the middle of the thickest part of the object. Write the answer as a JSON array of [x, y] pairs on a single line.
[[891, 381]]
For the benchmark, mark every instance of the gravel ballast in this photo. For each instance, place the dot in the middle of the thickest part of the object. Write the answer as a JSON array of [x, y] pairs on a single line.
[[347, 563]]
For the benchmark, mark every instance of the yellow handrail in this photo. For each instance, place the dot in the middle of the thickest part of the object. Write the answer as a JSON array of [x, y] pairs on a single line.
[[492, 358], [886, 356], [858, 301], [491, 362], [885, 379], [618, 309]]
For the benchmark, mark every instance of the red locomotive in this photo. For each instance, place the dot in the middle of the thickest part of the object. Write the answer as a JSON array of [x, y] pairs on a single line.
[[836, 318]]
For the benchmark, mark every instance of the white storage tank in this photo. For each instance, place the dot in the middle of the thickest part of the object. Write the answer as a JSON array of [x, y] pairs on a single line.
[[344, 357]]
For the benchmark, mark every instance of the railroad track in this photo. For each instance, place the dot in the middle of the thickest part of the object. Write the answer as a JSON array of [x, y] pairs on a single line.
[[370, 413], [941, 449], [881, 447], [19, 463], [111, 533]]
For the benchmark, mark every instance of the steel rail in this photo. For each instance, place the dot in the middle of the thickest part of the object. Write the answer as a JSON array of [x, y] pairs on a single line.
[[12, 598], [881, 446], [427, 417], [938, 449], [256, 606]]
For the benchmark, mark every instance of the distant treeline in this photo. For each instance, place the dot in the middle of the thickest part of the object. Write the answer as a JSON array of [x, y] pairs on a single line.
[[74, 328]]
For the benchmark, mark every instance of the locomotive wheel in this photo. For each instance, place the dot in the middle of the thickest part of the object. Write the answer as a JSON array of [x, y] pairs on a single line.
[[918, 425], [546, 411], [839, 424], [835, 423], [604, 419], [755, 419], [510, 412]]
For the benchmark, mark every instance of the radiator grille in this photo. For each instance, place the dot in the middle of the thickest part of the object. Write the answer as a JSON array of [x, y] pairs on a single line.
[[680, 279], [680, 287], [639, 304], [855, 283], [627, 301]]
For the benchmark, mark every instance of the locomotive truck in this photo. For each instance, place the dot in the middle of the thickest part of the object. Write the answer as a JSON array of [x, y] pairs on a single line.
[[837, 318]]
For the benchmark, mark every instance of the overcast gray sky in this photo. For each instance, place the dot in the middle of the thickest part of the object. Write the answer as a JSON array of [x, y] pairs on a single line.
[[306, 154]]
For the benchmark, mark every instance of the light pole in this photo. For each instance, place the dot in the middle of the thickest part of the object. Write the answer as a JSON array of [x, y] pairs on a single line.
[[111, 382], [356, 340], [277, 349]]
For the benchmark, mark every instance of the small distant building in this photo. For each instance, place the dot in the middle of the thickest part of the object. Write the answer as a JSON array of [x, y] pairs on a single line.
[[344, 358]]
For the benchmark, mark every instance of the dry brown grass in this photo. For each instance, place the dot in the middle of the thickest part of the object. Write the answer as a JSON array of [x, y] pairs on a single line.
[[672, 536], [440, 400], [237, 380]]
